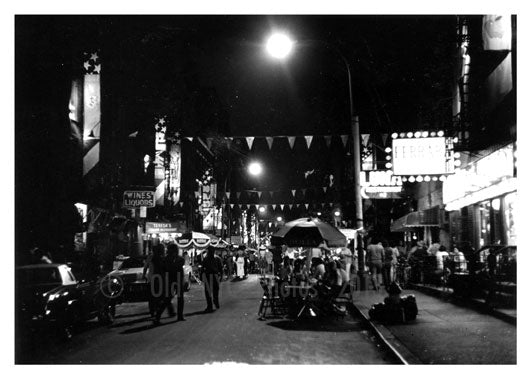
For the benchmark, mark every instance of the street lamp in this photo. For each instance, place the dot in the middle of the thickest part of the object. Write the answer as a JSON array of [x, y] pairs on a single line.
[[281, 53], [279, 46], [255, 168]]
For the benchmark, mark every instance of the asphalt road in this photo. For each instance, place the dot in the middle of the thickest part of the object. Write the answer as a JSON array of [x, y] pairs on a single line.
[[231, 334]]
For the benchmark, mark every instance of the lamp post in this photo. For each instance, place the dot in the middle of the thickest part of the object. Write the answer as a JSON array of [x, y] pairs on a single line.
[[255, 169], [280, 46]]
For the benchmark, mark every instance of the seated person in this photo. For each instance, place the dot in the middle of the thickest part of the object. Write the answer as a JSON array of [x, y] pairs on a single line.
[[318, 268], [332, 278]]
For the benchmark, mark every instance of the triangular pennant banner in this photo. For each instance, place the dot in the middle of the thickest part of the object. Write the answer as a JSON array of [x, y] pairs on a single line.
[[209, 142], [331, 204], [344, 139], [306, 205], [365, 139], [269, 142], [282, 206], [238, 195], [308, 140], [250, 141], [229, 142], [228, 195], [231, 206], [259, 194], [290, 206], [384, 138], [181, 204], [274, 206], [190, 138], [328, 140], [324, 189], [291, 141], [322, 205], [271, 193], [293, 192], [303, 191]]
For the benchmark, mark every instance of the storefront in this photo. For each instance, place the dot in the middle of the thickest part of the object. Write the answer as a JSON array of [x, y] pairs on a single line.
[[481, 199], [419, 226]]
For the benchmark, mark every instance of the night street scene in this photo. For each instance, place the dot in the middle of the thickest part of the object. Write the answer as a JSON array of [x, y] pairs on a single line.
[[262, 189]]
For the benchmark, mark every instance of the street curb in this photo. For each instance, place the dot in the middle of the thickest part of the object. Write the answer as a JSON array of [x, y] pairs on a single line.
[[402, 353], [473, 303]]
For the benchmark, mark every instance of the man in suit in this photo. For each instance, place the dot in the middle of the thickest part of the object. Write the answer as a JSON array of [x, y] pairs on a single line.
[[212, 269]]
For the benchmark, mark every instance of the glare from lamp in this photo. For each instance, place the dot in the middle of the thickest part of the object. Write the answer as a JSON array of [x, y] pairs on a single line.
[[279, 45]]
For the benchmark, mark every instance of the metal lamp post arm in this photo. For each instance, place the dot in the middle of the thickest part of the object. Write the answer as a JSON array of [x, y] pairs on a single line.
[[354, 122]]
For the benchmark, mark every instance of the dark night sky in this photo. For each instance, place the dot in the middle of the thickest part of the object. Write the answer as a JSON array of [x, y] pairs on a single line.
[[401, 65]]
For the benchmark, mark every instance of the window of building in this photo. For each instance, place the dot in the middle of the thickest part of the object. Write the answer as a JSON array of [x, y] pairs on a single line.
[[509, 204]]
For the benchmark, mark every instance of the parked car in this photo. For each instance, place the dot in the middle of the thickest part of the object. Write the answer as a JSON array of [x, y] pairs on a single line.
[[491, 272], [50, 296], [130, 274]]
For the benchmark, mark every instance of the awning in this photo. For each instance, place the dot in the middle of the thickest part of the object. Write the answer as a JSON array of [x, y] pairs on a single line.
[[419, 219]]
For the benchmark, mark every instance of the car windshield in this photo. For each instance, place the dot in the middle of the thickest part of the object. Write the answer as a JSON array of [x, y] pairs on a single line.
[[39, 275], [131, 263]]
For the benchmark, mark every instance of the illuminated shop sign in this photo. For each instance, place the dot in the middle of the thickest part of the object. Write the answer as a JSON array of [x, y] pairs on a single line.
[[422, 156], [484, 179], [161, 227], [137, 199], [380, 184]]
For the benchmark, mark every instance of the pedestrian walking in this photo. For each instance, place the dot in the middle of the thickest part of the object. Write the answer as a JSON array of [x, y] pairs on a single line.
[[375, 255], [388, 262], [173, 284], [153, 273], [212, 268]]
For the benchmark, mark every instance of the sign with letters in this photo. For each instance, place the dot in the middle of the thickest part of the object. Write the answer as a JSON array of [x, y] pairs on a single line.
[[422, 156], [138, 199]]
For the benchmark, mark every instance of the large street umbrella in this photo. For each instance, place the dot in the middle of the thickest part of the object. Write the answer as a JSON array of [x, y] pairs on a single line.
[[195, 239], [308, 232]]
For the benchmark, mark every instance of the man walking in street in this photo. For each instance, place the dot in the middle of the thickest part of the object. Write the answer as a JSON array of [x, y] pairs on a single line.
[[173, 284], [212, 268]]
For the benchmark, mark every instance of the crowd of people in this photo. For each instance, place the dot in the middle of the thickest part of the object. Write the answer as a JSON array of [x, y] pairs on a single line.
[[388, 262]]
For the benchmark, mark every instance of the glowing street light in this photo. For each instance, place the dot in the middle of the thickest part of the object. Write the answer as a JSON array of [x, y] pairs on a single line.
[[279, 218], [262, 209], [279, 45], [255, 168]]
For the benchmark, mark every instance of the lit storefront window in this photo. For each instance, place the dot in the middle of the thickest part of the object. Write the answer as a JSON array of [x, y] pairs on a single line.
[[491, 222], [484, 217], [509, 207]]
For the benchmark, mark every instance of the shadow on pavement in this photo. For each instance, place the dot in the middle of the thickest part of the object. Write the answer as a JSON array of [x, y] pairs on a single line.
[[197, 313], [142, 328], [131, 322], [317, 324], [131, 315]]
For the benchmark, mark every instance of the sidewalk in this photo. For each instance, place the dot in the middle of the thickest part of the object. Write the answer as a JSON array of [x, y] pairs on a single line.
[[444, 333], [506, 314]]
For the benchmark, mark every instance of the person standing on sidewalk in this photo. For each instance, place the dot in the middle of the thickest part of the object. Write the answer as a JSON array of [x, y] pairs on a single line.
[[388, 262], [375, 255], [212, 268]]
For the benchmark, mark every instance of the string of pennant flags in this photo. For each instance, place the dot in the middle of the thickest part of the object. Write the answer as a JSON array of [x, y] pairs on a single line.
[[281, 206], [293, 192], [270, 140]]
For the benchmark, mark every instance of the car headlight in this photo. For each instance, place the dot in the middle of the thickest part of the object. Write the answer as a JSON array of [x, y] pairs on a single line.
[[53, 296]]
